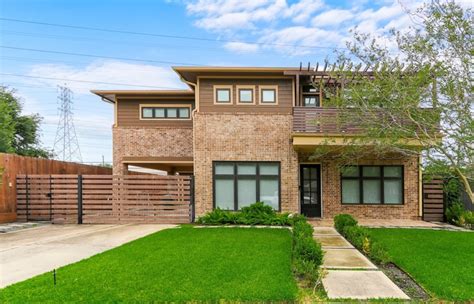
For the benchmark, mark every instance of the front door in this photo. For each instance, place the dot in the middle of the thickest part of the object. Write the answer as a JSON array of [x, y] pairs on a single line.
[[310, 190]]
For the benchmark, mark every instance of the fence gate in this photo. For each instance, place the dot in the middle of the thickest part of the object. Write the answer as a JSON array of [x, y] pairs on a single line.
[[100, 199], [433, 200]]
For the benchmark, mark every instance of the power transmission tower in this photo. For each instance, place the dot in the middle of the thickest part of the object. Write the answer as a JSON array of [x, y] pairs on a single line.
[[66, 145]]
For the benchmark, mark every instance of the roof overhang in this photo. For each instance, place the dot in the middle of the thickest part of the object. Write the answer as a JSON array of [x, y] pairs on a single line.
[[190, 73], [308, 142], [111, 95]]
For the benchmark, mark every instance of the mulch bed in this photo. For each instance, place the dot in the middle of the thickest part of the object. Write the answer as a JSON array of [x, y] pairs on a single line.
[[405, 282]]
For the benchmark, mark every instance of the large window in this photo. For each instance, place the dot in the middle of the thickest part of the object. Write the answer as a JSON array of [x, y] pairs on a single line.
[[268, 94], [372, 185], [240, 184], [168, 112]]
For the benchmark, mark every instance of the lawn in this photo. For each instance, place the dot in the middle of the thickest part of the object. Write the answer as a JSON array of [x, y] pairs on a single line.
[[441, 261], [177, 265]]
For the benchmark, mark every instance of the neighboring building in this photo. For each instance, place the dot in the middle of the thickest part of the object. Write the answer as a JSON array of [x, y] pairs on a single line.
[[246, 135]]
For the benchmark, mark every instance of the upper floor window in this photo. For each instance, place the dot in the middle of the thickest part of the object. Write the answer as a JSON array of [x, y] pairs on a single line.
[[223, 94], [268, 94], [246, 94], [165, 112]]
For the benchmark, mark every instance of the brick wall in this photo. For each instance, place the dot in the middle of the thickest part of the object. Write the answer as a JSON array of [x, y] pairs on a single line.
[[331, 188], [150, 142], [243, 137]]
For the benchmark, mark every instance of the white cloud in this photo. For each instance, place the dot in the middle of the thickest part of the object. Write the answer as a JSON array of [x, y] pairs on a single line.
[[332, 17], [302, 10], [242, 47], [119, 72], [300, 40]]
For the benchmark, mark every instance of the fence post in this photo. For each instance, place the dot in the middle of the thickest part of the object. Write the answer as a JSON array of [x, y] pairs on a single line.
[[193, 211], [27, 198], [79, 199]]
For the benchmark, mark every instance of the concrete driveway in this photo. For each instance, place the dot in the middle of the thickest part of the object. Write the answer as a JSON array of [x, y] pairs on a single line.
[[27, 253]]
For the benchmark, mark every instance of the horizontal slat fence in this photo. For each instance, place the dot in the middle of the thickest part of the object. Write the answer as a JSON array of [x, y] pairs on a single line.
[[433, 200], [105, 199]]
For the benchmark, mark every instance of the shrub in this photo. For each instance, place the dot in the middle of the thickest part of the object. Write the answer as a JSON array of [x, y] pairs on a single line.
[[360, 237], [255, 214], [454, 213], [343, 220]]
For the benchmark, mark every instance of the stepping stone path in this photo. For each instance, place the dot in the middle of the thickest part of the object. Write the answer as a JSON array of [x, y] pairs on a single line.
[[350, 275]]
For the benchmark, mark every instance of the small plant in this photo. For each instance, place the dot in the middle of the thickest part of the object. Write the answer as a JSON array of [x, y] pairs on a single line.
[[343, 220], [457, 215]]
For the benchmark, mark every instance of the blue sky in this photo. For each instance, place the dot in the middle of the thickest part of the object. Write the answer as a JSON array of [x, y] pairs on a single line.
[[235, 32]]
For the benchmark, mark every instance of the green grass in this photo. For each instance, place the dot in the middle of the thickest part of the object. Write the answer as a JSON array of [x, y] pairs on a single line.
[[441, 261], [178, 265]]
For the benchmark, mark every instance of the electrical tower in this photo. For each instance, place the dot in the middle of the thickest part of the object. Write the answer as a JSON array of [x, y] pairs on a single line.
[[66, 145]]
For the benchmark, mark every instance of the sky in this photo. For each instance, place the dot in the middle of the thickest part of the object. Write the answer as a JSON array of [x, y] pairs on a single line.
[[132, 44]]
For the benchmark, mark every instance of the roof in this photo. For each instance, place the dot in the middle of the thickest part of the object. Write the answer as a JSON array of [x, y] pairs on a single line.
[[109, 95], [190, 73]]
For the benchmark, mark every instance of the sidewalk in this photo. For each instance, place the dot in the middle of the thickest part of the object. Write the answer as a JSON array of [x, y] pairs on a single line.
[[350, 275]]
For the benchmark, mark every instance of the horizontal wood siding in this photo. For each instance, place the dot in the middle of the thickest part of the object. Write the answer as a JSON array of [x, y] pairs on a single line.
[[128, 113], [285, 96], [433, 200], [106, 199]]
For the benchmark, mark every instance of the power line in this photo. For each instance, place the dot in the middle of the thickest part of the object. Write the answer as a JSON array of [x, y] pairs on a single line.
[[89, 28], [89, 81], [95, 56]]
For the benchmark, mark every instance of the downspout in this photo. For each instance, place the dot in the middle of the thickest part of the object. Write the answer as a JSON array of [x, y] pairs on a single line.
[[420, 188]]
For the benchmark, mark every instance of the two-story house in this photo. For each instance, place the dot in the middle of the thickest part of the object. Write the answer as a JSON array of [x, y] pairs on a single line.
[[246, 134]]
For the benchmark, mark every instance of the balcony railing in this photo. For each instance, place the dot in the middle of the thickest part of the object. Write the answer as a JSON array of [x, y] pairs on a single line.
[[322, 120], [341, 121]]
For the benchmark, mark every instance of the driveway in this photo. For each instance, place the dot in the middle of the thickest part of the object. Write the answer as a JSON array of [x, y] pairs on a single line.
[[27, 253]]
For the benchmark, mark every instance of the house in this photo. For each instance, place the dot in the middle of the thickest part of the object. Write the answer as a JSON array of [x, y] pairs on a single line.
[[246, 134]]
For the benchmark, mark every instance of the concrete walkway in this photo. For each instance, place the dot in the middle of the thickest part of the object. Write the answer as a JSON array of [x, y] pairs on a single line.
[[30, 252], [350, 275]]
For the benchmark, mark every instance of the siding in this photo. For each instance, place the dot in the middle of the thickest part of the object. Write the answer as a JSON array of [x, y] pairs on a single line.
[[128, 113], [285, 96]]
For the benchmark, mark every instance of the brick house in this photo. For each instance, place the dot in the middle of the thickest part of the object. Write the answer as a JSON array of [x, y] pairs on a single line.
[[246, 135]]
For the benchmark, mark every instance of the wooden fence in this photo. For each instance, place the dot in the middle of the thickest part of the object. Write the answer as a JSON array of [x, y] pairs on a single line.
[[105, 199], [11, 165], [433, 200]]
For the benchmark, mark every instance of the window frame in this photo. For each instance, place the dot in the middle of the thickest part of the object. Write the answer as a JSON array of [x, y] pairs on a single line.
[[166, 107], [216, 89], [262, 88], [235, 176], [245, 87], [360, 178]]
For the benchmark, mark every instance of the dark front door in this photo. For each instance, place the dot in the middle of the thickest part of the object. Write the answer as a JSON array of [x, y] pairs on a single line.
[[310, 190]]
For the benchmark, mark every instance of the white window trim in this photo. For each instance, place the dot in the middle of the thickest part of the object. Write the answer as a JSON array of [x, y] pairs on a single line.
[[228, 87], [165, 106], [246, 87], [267, 87]]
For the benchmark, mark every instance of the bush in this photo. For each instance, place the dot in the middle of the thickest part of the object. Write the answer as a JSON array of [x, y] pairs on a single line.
[[343, 220], [454, 213], [255, 214], [361, 239]]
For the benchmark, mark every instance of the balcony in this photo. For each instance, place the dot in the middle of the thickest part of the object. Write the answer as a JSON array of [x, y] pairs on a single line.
[[323, 120], [330, 126]]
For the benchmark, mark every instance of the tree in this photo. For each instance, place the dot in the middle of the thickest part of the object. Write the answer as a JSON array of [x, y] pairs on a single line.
[[18, 133], [419, 94]]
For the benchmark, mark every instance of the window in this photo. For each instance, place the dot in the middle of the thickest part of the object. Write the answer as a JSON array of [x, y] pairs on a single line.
[[222, 94], [246, 94], [168, 112], [372, 185], [240, 184], [268, 94], [311, 101]]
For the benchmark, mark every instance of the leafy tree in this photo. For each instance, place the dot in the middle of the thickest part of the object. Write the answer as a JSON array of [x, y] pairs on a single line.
[[18, 133], [415, 98]]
